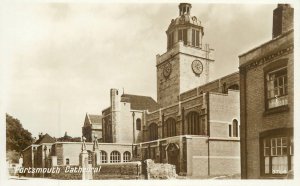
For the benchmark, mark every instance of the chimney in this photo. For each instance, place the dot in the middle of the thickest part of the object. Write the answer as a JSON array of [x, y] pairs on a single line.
[[283, 19]]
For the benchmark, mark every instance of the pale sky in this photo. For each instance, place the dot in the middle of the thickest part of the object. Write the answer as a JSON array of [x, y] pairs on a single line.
[[60, 60]]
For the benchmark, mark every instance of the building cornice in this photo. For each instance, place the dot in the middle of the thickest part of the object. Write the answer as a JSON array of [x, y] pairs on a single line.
[[266, 59]]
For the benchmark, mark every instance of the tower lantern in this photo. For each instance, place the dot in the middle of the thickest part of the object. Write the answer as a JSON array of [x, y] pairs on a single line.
[[185, 8]]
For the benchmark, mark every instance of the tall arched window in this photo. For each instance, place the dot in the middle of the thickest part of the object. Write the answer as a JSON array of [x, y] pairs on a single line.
[[138, 124], [235, 128], [126, 156], [193, 121], [103, 157], [115, 157], [171, 127], [153, 132]]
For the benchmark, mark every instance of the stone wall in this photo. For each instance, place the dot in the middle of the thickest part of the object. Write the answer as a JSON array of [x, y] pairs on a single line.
[[160, 170], [130, 170]]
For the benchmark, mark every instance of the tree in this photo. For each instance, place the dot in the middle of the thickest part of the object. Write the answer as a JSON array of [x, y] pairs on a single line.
[[67, 138], [17, 138], [13, 156]]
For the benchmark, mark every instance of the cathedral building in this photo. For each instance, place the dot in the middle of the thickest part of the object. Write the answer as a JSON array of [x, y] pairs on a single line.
[[195, 122], [92, 127]]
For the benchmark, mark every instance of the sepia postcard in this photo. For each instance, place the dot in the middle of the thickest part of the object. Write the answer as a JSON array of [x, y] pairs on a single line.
[[172, 92]]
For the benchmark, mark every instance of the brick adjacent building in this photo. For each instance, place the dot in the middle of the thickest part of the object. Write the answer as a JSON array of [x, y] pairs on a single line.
[[267, 102]]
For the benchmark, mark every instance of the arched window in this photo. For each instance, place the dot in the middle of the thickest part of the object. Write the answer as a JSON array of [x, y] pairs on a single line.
[[138, 124], [235, 128], [115, 157], [103, 157], [193, 121], [153, 132], [171, 127], [126, 156]]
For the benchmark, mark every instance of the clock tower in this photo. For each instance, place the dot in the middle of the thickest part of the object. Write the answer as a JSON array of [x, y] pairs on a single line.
[[186, 63]]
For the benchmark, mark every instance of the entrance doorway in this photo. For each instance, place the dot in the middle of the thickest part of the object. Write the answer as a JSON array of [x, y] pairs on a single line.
[[173, 155]]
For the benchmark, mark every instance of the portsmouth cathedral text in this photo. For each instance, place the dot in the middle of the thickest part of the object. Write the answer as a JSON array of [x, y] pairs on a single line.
[[57, 170]]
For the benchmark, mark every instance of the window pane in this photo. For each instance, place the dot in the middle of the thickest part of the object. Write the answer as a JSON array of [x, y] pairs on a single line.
[[266, 147], [292, 162], [284, 151], [279, 165], [278, 141], [267, 143], [267, 165], [273, 140], [185, 36], [279, 153], [281, 91], [280, 81], [267, 151], [273, 151], [179, 35], [197, 38], [193, 37], [284, 141]]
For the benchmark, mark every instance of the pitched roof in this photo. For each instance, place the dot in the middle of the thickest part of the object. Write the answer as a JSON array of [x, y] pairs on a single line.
[[140, 102], [95, 119], [45, 139]]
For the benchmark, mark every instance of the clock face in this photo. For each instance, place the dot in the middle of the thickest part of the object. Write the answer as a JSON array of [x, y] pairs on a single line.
[[167, 69], [197, 67]]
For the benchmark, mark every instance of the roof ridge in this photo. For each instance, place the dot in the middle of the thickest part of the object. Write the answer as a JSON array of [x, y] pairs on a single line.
[[136, 95]]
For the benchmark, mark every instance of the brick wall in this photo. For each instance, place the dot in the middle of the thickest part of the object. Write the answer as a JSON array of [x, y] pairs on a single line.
[[224, 157], [254, 116], [256, 120], [212, 157]]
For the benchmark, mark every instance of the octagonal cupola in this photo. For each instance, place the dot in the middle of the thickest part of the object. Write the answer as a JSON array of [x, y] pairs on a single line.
[[185, 28]]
